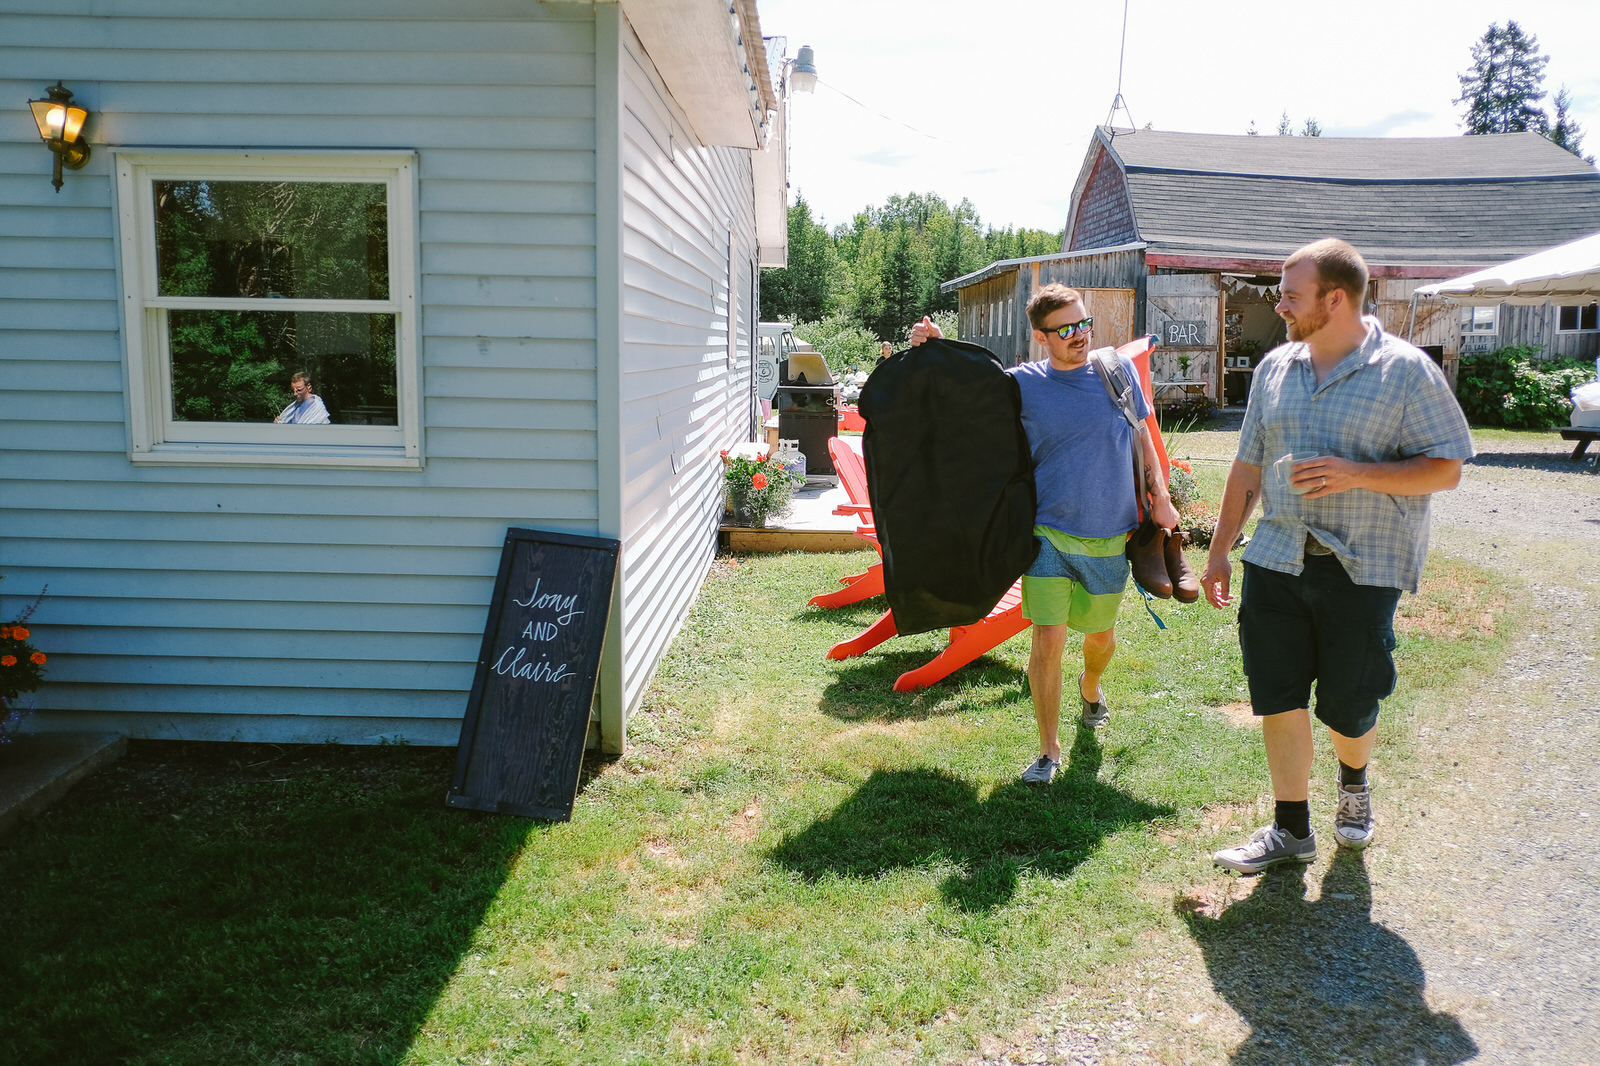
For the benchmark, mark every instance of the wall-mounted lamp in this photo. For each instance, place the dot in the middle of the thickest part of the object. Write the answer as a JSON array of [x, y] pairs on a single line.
[[60, 123], [803, 70]]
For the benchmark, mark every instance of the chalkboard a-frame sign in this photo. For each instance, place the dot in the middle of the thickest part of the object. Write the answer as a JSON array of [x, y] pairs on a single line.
[[521, 747]]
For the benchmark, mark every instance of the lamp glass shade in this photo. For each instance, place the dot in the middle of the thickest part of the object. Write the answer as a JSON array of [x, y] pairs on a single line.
[[803, 75], [58, 120]]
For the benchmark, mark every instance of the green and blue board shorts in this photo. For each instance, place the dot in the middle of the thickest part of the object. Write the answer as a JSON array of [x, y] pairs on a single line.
[[1075, 581]]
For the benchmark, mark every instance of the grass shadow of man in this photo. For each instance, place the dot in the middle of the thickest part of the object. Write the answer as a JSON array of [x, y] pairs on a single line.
[[1321, 982], [925, 817]]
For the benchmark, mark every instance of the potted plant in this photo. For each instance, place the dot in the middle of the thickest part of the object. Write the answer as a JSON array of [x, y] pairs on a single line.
[[21, 670], [758, 488], [1183, 367]]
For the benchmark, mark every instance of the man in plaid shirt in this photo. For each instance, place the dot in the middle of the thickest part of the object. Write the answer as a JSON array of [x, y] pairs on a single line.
[[1348, 432]]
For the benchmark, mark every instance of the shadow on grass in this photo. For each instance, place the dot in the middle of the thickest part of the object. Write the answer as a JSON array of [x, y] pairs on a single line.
[[863, 688], [1322, 982], [242, 903], [924, 817]]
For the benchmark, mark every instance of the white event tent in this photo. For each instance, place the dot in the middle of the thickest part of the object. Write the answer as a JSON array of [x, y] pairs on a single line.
[[1566, 274]]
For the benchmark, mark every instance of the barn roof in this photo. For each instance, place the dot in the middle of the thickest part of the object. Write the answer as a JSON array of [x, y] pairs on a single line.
[[1410, 202]]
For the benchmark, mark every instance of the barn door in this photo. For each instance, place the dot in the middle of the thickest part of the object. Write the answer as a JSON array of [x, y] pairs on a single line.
[[1184, 311]]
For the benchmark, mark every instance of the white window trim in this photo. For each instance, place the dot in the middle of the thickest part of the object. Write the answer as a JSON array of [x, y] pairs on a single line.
[[155, 438], [1580, 329]]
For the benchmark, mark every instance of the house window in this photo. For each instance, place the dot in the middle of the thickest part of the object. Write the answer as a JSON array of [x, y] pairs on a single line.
[[1480, 320], [239, 271], [1579, 319]]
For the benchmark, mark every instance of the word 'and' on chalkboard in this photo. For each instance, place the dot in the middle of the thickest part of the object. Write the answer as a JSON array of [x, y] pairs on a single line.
[[522, 740]]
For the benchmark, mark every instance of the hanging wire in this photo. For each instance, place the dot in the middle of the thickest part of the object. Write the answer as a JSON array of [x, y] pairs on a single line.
[[880, 114]]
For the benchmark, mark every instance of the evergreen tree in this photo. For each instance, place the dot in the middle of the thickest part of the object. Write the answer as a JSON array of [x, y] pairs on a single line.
[[1502, 89], [1312, 128], [1564, 131], [1284, 127], [804, 290]]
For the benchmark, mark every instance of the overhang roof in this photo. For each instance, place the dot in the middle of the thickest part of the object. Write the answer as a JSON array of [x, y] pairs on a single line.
[[712, 58], [1416, 206], [1002, 265]]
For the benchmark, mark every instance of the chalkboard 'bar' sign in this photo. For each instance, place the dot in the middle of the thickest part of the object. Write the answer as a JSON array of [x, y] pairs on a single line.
[[522, 739]]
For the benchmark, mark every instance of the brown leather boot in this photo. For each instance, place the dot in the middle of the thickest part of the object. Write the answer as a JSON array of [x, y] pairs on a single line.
[[1146, 551], [1185, 586]]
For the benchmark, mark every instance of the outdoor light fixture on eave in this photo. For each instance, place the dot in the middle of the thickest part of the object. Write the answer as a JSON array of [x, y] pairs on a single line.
[[803, 70], [60, 123]]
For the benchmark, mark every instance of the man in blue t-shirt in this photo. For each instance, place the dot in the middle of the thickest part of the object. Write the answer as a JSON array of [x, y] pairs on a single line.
[[1083, 468]]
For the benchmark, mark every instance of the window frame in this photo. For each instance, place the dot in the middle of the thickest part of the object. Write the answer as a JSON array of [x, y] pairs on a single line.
[[155, 436], [1580, 309], [1469, 320]]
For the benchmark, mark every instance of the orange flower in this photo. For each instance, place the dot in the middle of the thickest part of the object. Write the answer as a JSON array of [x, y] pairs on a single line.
[[37, 658], [5, 632], [8, 660], [723, 453], [758, 481], [1181, 465], [19, 632]]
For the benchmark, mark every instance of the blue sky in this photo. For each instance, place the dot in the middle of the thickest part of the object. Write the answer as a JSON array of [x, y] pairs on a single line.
[[996, 101]]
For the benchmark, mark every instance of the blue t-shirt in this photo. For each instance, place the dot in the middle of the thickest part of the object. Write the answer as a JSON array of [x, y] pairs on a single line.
[[1082, 448]]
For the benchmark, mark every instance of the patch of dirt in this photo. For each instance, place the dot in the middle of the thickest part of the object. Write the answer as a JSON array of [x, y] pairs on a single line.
[[1239, 714], [746, 824]]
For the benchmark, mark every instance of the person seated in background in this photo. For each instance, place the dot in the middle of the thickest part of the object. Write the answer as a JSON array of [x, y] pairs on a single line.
[[307, 408]]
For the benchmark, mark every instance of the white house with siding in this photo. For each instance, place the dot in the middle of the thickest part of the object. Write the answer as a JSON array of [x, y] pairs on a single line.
[[518, 246]]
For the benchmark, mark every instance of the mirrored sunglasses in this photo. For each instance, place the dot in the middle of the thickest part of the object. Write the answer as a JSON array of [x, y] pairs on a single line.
[[1071, 329]]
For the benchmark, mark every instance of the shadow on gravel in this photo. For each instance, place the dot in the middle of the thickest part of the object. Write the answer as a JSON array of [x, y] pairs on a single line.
[[1559, 462], [1321, 982]]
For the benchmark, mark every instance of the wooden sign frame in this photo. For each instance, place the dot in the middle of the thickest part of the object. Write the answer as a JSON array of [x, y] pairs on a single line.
[[527, 718]]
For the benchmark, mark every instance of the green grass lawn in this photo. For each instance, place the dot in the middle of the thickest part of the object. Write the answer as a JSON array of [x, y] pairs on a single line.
[[793, 863]]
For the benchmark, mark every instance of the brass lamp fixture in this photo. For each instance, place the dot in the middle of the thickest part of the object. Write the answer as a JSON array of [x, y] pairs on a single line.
[[60, 123]]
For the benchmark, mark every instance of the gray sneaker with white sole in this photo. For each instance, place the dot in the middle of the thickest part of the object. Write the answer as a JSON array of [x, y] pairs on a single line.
[[1352, 822], [1267, 846]]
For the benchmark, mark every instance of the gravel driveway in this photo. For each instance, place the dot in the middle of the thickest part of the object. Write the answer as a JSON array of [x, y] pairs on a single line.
[[1471, 931]]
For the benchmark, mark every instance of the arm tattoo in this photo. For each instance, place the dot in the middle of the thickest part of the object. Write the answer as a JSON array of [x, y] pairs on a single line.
[[1249, 500]]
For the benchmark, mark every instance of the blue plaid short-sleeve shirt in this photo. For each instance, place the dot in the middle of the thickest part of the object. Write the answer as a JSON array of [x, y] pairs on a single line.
[[1386, 401]]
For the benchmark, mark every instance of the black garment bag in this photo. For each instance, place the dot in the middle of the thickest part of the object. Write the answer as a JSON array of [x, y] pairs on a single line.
[[951, 482]]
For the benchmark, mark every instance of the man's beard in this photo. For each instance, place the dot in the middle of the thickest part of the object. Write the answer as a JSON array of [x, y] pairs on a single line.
[[1307, 325]]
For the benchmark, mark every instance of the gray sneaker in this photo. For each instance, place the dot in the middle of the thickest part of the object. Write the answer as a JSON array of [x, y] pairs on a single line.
[[1042, 771], [1267, 846], [1096, 714], [1352, 822]]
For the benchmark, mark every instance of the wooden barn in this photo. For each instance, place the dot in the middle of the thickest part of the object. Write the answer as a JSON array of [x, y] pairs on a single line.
[[1192, 230], [517, 244]]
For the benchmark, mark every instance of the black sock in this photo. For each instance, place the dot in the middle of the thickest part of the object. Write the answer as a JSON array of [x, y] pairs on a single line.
[[1352, 779], [1294, 817]]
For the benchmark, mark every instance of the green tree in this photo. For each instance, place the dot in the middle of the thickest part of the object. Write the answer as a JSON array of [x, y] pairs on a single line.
[[1285, 128], [1502, 89], [906, 282], [804, 290], [1564, 131], [1312, 128]]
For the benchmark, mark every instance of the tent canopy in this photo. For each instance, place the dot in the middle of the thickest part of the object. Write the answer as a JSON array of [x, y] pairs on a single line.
[[1566, 274]]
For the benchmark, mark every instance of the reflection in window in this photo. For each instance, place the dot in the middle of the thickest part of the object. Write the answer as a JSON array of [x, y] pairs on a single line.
[[226, 242], [1573, 319], [234, 366]]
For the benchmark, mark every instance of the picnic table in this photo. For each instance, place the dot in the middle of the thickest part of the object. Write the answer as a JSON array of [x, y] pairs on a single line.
[[1583, 435]]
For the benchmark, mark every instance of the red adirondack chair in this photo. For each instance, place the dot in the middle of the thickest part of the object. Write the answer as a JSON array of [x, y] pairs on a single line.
[[1005, 620], [853, 475]]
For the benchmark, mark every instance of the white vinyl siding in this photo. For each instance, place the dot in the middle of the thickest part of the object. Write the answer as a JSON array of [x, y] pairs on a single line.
[[683, 398]]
